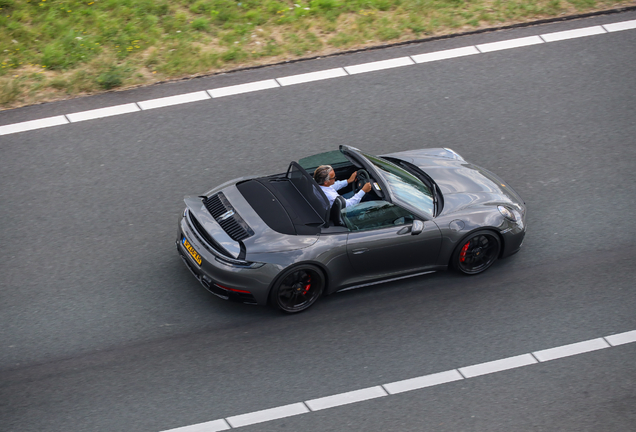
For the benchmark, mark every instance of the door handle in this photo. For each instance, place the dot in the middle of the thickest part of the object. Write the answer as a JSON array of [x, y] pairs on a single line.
[[360, 251]]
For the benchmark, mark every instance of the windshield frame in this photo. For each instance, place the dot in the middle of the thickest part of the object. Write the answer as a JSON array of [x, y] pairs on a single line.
[[386, 169]]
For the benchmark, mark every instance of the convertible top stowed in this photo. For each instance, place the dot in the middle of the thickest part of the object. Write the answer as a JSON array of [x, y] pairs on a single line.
[[294, 194]]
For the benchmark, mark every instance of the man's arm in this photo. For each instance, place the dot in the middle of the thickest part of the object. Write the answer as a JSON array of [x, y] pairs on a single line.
[[358, 196]]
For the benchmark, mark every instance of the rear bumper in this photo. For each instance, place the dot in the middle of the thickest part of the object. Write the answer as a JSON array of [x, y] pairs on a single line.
[[229, 282]]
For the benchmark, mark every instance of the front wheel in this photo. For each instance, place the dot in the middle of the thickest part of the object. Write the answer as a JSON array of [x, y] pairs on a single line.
[[297, 289], [477, 252]]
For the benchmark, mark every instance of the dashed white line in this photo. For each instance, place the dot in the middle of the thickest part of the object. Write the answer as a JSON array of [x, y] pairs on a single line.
[[312, 76], [570, 350], [33, 124], [346, 398], [103, 112], [446, 54], [423, 382], [497, 365], [243, 88], [173, 100], [571, 34], [620, 26], [511, 43], [621, 338], [379, 65], [267, 415], [211, 426], [412, 384]]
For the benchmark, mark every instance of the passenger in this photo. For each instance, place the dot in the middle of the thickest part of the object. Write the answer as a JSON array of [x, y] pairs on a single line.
[[326, 178]]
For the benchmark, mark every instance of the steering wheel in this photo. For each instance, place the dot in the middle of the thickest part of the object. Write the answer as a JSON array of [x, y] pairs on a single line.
[[362, 178]]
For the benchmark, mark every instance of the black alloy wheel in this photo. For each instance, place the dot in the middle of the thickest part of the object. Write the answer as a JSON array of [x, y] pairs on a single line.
[[298, 288], [477, 252]]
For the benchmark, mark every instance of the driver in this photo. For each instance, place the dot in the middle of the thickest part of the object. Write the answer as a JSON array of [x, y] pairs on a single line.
[[326, 178]]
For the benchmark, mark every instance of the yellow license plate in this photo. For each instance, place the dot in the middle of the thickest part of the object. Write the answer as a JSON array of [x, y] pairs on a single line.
[[193, 253]]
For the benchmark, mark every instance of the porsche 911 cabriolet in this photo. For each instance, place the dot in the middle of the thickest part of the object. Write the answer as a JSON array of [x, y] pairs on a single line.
[[277, 240]]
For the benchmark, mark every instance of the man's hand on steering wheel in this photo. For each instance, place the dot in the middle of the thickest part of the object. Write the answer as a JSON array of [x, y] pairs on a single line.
[[367, 187], [353, 177]]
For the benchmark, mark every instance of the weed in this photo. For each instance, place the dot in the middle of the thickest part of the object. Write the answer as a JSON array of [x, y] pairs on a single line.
[[111, 78], [9, 90]]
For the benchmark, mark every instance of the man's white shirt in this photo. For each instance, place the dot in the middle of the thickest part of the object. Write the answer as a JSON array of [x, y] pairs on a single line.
[[330, 192]]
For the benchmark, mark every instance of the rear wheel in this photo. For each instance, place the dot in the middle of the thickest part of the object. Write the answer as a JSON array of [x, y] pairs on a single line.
[[298, 288], [477, 252]]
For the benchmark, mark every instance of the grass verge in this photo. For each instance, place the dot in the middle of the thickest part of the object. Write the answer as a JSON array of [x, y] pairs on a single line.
[[60, 49]]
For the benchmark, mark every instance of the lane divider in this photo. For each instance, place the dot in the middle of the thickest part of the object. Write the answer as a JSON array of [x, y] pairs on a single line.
[[411, 384], [313, 76]]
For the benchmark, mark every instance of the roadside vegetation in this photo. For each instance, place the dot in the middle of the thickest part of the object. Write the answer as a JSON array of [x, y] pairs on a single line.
[[51, 49]]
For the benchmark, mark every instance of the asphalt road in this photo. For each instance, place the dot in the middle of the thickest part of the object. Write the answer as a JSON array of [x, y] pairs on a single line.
[[104, 329]]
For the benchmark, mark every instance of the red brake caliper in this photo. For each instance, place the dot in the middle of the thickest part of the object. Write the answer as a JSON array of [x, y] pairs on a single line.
[[462, 254], [307, 285]]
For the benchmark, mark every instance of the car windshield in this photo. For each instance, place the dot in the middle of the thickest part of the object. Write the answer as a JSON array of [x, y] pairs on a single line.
[[405, 186]]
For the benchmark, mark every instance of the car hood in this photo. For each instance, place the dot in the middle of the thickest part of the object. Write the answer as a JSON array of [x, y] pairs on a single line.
[[462, 184]]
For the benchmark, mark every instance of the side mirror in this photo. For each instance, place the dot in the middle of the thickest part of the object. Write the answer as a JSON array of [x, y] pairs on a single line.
[[418, 227]]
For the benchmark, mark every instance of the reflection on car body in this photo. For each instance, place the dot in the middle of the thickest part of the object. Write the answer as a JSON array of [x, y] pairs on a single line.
[[274, 239]]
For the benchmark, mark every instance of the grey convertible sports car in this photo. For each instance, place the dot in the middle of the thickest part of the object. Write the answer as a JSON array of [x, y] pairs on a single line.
[[276, 239]]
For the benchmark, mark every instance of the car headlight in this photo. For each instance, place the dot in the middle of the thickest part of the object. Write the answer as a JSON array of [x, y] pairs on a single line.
[[507, 213], [511, 214]]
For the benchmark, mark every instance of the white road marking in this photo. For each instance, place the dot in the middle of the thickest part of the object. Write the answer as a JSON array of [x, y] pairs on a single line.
[[621, 338], [625, 25], [446, 54], [243, 88], [570, 350], [346, 398], [312, 76], [571, 34], [173, 100], [423, 382], [412, 383], [211, 426], [497, 365], [379, 65], [33, 124], [511, 43], [267, 415], [309, 77], [103, 112]]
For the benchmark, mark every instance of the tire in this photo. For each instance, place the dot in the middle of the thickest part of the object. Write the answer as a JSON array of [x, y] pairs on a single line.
[[476, 252], [297, 288]]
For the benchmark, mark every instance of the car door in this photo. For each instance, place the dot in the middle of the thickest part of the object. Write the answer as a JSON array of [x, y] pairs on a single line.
[[380, 242]]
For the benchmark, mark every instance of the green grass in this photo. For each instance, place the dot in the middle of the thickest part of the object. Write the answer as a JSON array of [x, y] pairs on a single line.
[[51, 49]]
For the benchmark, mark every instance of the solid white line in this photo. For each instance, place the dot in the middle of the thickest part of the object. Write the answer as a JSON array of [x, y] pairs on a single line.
[[33, 124], [103, 112], [173, 100], [423, 381], [243, 88], [346, 398], [497, 365], [446, 54], [211, 426], [267, 415], [571, 34], [625, 25], [621, 338], [379, 65], [570, 350], [312, 76], [511, 43]]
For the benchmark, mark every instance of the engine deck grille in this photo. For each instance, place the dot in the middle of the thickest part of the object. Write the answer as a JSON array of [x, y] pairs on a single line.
[[231, 222]]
